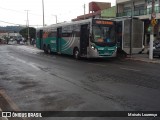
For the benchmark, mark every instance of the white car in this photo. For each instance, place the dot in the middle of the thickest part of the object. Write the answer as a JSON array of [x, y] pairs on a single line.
[[21, 43], [12, 42]]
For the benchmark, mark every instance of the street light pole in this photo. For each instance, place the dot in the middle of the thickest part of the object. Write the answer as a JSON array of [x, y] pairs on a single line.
[[43, 11], [152, 31], [28, 27]]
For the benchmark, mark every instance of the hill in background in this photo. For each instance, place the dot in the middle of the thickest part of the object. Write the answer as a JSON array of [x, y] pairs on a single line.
[[10, 29]]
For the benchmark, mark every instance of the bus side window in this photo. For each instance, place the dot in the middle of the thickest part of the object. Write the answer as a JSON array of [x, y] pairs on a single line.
[[52, 34]]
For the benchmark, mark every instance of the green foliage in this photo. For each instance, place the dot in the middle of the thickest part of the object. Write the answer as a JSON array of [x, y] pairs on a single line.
[[32, 32]]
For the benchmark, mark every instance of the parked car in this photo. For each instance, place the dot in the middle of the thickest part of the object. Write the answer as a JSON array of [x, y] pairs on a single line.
[[156, 48]]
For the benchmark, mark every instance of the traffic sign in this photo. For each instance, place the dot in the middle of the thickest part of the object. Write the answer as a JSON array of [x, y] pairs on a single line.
[[153, 15], [153, 22]]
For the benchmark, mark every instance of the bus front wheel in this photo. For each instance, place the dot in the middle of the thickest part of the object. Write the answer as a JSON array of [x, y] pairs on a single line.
[[76, 54]]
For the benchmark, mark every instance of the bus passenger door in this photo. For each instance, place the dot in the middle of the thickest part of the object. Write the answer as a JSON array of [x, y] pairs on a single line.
[[58, 40], [84, 39], [119, 35]]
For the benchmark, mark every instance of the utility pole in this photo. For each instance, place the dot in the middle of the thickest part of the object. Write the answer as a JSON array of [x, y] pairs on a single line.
[[84, 11], [131, 26], [27, 24], [43, 12], [153, 16]]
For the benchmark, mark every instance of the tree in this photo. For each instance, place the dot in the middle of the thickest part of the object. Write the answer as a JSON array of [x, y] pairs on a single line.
[[32, 32]]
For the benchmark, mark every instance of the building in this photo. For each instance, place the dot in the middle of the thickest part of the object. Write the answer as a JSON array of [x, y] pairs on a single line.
[[98, 10], [109, 12], [141, 9]]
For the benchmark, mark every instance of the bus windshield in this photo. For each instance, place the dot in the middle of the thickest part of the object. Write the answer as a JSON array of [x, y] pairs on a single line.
[[103, 34]]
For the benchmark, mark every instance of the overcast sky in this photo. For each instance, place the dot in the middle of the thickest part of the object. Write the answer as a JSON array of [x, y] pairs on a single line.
[[13, 11]]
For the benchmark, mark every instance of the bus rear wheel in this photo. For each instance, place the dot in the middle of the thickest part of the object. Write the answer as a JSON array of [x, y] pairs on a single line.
[[49, 49], [45, 49], [76, 54]]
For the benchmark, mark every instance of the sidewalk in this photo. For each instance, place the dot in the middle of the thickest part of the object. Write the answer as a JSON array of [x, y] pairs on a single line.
[[144, 58]]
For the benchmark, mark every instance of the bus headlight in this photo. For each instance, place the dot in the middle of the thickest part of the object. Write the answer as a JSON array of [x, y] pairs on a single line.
[[93, 47]]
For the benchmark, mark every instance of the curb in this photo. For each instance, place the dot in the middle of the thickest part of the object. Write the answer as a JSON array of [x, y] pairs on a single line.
[[143, 60], [7, 104]]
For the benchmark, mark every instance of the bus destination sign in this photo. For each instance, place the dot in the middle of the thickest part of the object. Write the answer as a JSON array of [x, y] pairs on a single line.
[[103, 22]]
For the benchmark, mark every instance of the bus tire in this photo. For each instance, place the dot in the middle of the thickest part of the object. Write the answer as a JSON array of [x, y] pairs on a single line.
[[49, 49], [45, 49], [76, 54]]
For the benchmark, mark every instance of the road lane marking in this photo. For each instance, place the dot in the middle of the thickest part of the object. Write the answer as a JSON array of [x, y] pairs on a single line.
[[130, 69], [34, 66], [25, 62], [97, 64]]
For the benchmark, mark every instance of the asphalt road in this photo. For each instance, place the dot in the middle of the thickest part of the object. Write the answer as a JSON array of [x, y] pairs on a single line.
[[34, 81]]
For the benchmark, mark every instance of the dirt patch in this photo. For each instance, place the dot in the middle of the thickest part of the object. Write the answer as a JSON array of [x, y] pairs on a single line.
[[27, 84]]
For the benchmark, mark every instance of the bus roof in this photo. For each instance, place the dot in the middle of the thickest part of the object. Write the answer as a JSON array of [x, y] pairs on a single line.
[[64, 24], [67, 23]]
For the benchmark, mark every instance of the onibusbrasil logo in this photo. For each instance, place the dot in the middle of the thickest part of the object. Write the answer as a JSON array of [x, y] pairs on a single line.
[[21, 114]]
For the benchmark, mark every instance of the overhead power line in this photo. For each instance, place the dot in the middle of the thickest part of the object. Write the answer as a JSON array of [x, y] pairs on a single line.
[[19, 24], [12, 10], [10, 23]]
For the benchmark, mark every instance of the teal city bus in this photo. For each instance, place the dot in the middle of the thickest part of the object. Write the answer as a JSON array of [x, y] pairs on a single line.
[[90, 38]]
